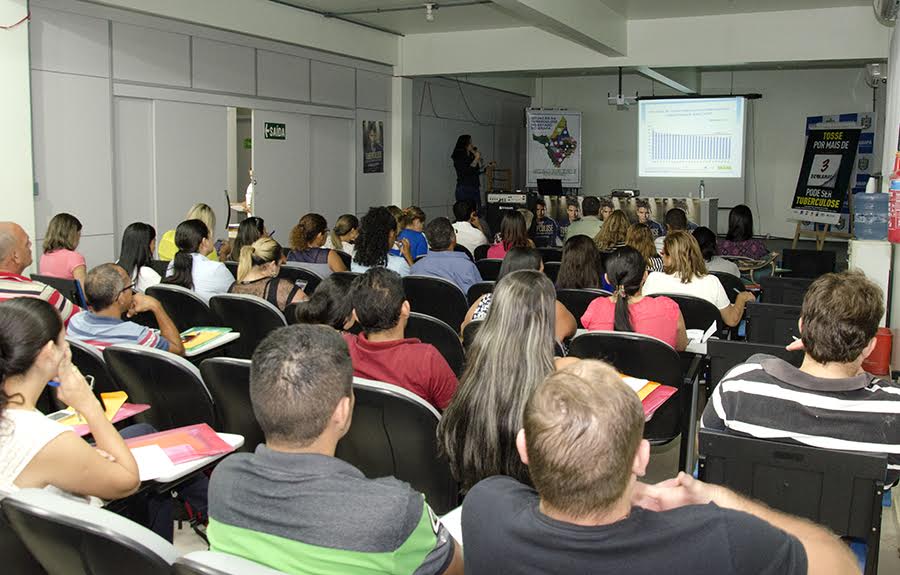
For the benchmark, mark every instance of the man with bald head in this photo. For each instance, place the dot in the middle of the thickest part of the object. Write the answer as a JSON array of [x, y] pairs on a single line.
[[15, 257], [110, 294]]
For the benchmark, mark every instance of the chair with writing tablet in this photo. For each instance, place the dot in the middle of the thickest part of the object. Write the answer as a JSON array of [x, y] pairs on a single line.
[[784, 291], [443, 337], [228, 381], [480, 252], [70, 289], [772, 323], [578, 300], [478, 290], [698, 313], [251, 316], [489, 268], [183, 306], [214, 563], [436, 297], [724, 355], [297, 274], [551, 270], [733, 285], [549, 254], [89, 361], [232, 267]]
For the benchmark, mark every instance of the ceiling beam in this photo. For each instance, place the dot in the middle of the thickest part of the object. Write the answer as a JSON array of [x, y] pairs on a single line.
[[590, 23], [684, 80]]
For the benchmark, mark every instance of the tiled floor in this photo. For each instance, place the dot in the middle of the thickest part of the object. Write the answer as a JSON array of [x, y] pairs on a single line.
[[187, 541]]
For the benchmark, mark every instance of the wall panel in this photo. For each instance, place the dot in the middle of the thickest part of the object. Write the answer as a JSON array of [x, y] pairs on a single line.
[[148, 55]]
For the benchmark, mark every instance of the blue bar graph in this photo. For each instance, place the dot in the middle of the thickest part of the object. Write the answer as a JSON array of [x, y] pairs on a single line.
[[664, 146]]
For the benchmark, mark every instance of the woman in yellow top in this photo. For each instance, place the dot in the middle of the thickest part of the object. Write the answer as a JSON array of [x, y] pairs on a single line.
[[202, 212]]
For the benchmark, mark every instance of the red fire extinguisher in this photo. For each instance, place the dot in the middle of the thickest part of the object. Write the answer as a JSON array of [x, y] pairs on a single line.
[[894, 206]]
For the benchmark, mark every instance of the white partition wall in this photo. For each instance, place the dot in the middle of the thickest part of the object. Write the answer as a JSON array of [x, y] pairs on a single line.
[[332, 164]]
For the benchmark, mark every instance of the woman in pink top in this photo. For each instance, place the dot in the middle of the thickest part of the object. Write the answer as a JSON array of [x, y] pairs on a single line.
[[60, 259], [628, 310], [513, 234]]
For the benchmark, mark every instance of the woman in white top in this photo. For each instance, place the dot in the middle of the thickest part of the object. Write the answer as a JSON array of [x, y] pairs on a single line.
[[35, 451], [343, 234], [138, 245], [376, 238], [685, 274], [191, 269]]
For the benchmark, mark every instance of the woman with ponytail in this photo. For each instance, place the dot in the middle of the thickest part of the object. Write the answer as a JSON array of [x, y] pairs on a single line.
[[343, 234], [258, 275], [628, 309], [307, 239], [191, 267]]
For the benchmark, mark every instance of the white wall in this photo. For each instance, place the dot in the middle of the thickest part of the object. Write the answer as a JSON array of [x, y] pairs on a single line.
[[775, 129], [445, 109]]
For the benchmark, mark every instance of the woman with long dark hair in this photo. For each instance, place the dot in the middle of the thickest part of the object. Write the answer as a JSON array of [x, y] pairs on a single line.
[[513, 234], [250, 230], [138, 245], [191, 268], [580, 267], [467, 163], [377, 235], [708, 249], [628, 309], [739, 240], [329, 304]]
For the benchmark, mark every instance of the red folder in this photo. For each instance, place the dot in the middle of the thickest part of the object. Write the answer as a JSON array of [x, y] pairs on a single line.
[[184, 443]]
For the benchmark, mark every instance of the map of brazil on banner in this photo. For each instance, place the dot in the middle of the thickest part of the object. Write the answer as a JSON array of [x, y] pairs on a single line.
[[554, 147]]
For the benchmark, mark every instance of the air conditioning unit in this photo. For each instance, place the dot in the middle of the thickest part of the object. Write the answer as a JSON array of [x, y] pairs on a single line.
[[886, 10]]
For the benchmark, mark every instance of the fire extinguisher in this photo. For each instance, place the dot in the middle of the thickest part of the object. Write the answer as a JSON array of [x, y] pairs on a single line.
[[894, 205]]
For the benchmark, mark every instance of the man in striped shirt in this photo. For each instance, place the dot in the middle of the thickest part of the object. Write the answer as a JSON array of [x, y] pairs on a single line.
[[15, 257], [830, 401], [110, 293]]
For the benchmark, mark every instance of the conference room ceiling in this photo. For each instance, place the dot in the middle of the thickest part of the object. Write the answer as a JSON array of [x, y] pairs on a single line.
[[459, 15]]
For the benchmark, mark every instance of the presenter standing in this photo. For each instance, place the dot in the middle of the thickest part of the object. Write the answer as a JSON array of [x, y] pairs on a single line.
[[467, 163]]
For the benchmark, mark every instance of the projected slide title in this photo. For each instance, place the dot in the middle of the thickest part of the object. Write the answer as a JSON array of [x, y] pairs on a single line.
[[691, 137]]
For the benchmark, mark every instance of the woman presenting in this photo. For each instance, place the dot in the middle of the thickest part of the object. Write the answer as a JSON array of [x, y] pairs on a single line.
[[467, 163]]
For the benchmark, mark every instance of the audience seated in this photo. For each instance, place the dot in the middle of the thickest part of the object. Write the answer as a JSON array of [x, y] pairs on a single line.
[[15, 257], [685, 274], [249, 230], [675, 220], [739, 240], [469, 233], [571, 216], [191, 268], [343, 234], [377, 235], [442, 261], [381, 352], [513, 234], [258, 275], [291, 504], [138, 245], [643, 215], [580, 267], [60, 260], [307, 239], [640, 237], [111, 295], [829, 401], [511, 354], [523, 259], [589, 224], [628, 309], [167, 245], [546, 230], [330, 304], [612, 234], [37, 451], [582, 441], [606, 209], [706, 239], [411, 223]]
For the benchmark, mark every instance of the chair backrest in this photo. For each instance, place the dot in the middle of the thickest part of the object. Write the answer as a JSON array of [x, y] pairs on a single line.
[[160, 266], [808, 263], [213, 563], [296, 274], [838, 489], [345, 257], [550, 254], [551, 270], [478, 290], [70, 289], [772, 323], [232, 267], [228, 380], [785, 291], [468, 334], [481, 252], [251, 316], [733, 285], [16, 557], [489, 268], [443, 337], [171, 385], [456, 248], [70, 537], [578, 300], [724, 354], [186, 308], [394, 432], [89, 361], [438, 298], [697, 313]]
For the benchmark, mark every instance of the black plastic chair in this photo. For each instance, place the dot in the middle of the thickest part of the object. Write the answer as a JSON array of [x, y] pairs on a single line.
[[551, 270], [772, 323], [297, 275], [807, 263], [578, 300], [840, 490], [232, 267], [89, 361], [784, 291], [489, 268], [550, 254], [733, 285], [478, 290], [345, 257], [184, 307], [171, 385], [16, 557], [160, 266], [724, 354], [70, 537], [481, 252], [214, 563], [252, 317], [70, 289], [644, 357], [443, 337], [438, 298], [456, 248], [394, 432], [228, 380], [697, 313]]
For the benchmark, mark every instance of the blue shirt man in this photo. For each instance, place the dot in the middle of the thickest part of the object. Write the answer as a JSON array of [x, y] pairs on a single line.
[[442, 261]]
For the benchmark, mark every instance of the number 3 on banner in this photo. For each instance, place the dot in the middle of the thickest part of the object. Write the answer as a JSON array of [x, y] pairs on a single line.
[[825, 165]]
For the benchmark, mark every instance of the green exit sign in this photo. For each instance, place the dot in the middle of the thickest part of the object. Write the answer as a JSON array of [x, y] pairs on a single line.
[[274, 131]]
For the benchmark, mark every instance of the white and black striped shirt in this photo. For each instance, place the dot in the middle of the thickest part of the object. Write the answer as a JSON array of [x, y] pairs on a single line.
[[769, 398]]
